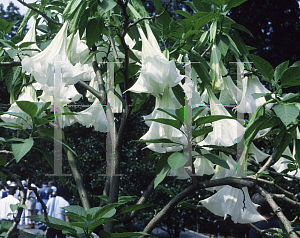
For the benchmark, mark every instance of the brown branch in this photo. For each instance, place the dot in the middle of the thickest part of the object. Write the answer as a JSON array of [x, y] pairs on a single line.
[[277, 210], [39, 12], [149, 18], [263, 181], [102, 92], [286, 199], [262, 232], [12, 63], [78, 179]]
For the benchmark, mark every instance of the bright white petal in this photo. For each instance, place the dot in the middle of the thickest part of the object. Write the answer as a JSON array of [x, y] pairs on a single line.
[[234, 202]]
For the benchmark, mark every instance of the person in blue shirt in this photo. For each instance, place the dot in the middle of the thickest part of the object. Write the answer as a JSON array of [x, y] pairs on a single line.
[[265, 210], [44, 196]]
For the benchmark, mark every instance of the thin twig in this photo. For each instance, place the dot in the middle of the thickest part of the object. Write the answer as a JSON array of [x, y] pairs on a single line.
[[205, 51], [277, 210], [262, 232], [6, 152], [39, 12], [149, 18]]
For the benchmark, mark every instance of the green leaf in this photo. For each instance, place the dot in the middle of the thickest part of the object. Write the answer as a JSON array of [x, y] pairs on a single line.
[[162, 140], [161, 176], [28, 107], [235, 3], [202, 131], [106, 211], [239, 43], [125, 199], [41, 107], [95, 224], [181, 112], [291, 77], [196, 111], [222, 44], [286, 112], [29, 13], [131, 208], [183, 13], [70, 9], [280, 69], [73, 26], [242, 28], [217, 160], [179, 94], [10, 125], [176, 160], [105, 6], [80, 211], [21, 149], [93, 30], [170, 112], [202, 6], [139, 7], [174, 123], [263, 66], [14, 207], [201, 43], [162, 23], [208, 119], [48, 132], [83, 21], [168, 191]]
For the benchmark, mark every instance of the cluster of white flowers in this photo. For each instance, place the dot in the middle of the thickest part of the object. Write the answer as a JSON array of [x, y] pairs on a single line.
[[157, 76]]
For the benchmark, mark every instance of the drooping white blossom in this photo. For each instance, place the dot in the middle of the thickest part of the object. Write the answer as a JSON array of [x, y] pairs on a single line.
[[226, 132], [234, 202], [159, 130], [30, 36], [41, 66], [251, 85], [203, 165], [28, 94], [157, 72]]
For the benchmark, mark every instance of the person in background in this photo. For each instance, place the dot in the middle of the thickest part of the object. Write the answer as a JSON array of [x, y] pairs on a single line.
[[265, 210], [5, 205], [24, 220], [3, 192], [44, 196], [30, 204], [55, 209]]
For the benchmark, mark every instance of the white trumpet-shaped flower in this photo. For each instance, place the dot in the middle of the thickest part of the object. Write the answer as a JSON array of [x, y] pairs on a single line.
[[32, 49], [234, 202], [159, 130], [226, 132], [203, 165], [215, 72], [93, 116], [28, 94], [231, 94], [157, 72], [41, 66], [251, 85], [257, 154], [282, 164]]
